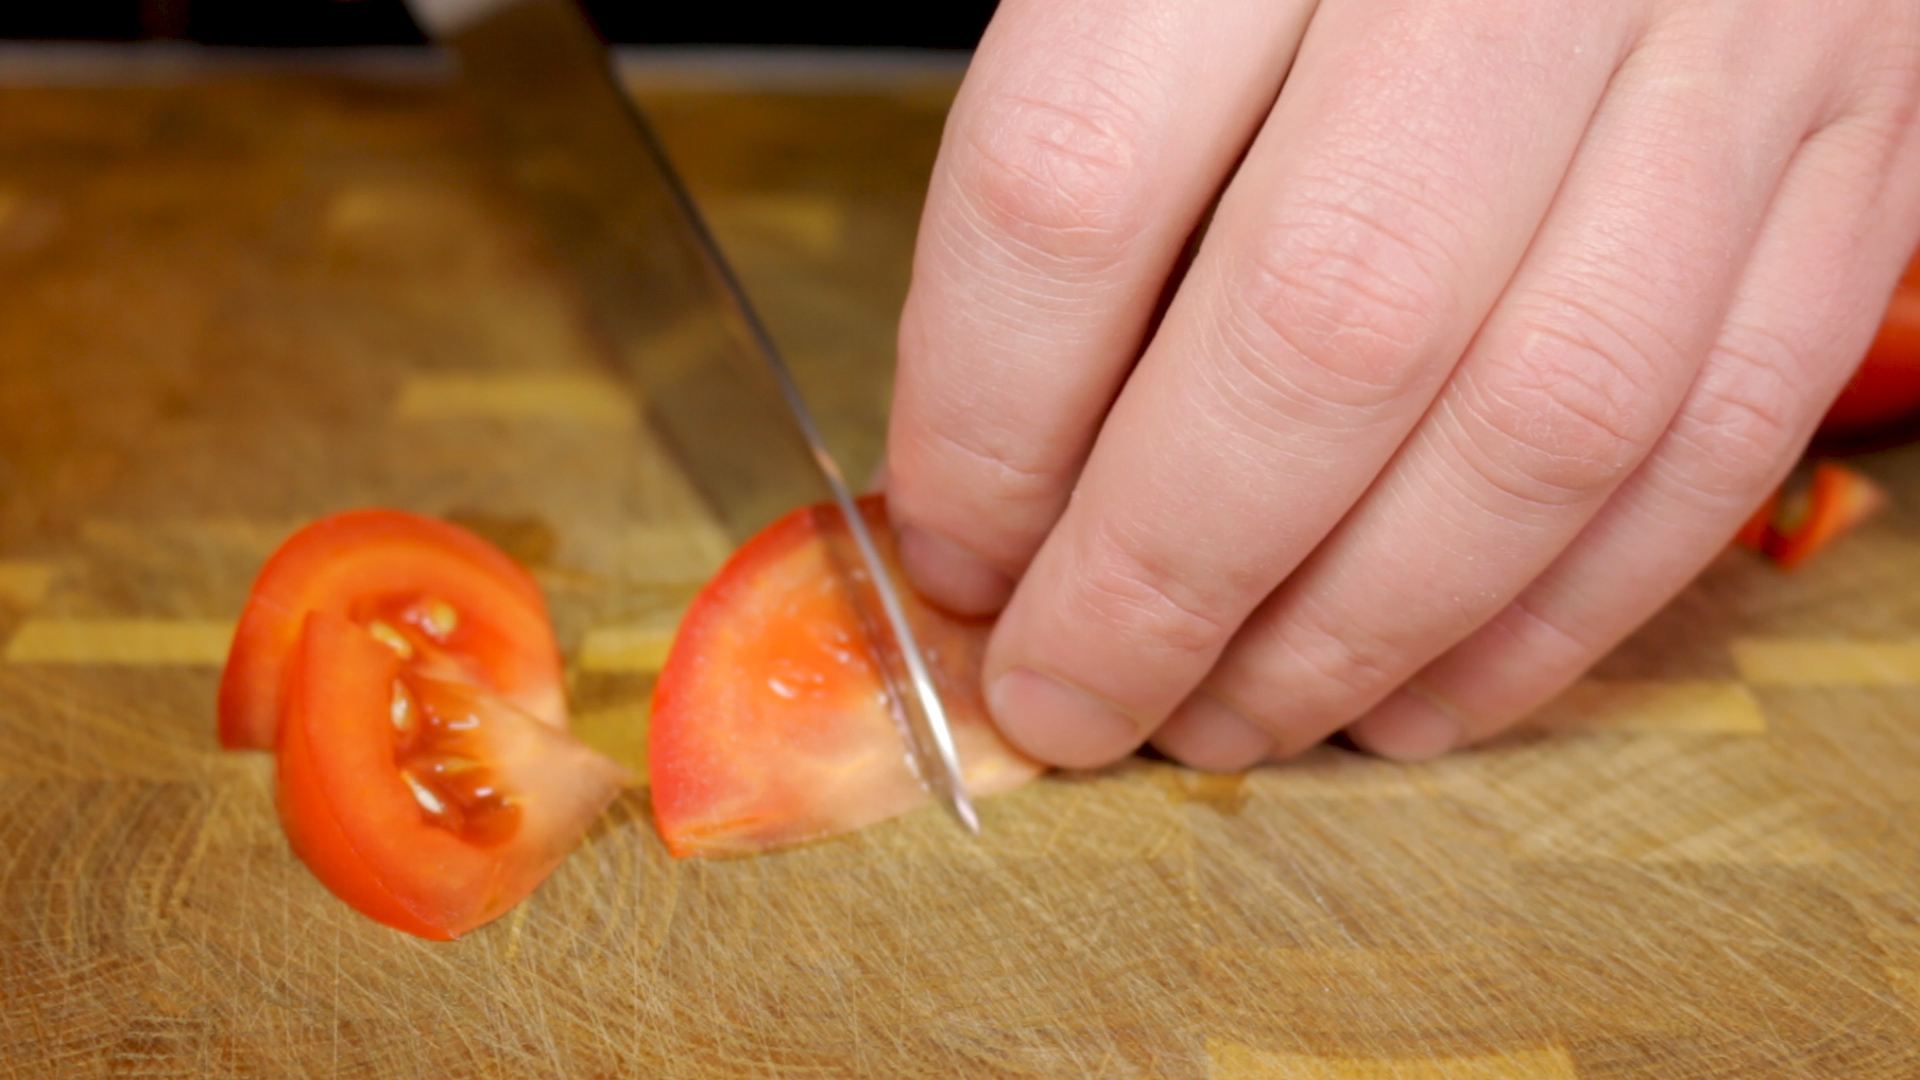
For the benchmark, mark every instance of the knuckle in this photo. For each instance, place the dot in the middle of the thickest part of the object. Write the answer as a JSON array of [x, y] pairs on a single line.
[[1746, 413], [1344, 669], [1551, 643], [1567, 411], [1000, 467], [1350, 296], [1062, 179], [991, 488], [1143, 600]]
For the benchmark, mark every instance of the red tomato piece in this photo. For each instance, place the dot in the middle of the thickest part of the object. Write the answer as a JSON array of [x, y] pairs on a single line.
[[451, 603], [430, 806], [771, 723], [1886, 390], [1753, 535], [1835, 501]]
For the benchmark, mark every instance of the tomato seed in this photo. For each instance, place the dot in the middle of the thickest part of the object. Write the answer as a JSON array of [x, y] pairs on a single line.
[[402, 710], [435, 616], [424, 795], [391, 638]]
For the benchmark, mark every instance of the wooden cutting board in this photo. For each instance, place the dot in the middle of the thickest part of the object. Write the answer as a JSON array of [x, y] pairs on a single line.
[[230, 305]]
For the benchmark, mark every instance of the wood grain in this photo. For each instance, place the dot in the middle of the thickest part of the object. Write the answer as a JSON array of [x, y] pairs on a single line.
[[227, 307]]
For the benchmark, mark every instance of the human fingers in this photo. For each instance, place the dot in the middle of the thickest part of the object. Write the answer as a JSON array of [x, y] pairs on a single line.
[[1373, 224], [1847, 216], [1570, 383], [1086, 143]]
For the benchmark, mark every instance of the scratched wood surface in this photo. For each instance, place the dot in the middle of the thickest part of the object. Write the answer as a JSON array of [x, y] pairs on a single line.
[[228, 306]]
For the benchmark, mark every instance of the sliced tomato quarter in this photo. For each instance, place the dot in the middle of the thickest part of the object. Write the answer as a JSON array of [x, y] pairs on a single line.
[[442, 599], [431, 806], [771, 724]]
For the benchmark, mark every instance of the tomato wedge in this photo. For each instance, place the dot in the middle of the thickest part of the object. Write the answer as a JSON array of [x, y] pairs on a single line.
[[1835, 501], [1810, 512], [454, 605], [1885, 392], [771, 723], [430, 806]]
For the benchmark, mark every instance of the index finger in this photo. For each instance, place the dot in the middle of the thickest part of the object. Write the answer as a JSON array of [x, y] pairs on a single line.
[[1087, 141]]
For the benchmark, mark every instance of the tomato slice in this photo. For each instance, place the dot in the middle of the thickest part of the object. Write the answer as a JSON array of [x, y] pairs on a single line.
[[455, 606], [1886, 390], [430, 806], [771, 723]]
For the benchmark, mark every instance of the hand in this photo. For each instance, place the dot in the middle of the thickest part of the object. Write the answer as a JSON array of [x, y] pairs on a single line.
[[1509, 313]]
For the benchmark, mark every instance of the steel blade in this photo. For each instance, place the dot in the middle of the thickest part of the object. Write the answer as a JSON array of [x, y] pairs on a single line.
[[696, 349]]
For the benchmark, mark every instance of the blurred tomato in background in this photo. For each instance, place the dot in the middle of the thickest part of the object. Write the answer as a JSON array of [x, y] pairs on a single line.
[[1883, 400]]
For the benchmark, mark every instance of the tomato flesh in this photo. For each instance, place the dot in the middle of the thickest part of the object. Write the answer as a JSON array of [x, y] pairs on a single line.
[[430, 806], [771, 721], [448, 601]]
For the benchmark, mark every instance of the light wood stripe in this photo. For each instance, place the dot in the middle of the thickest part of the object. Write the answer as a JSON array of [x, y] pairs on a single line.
[[813, 224], [1824, 662], [1662, 706], [690, 552], [142, 642], [25, 582], [618, 731], [1232, 1061], [575, 399], [639, 649]]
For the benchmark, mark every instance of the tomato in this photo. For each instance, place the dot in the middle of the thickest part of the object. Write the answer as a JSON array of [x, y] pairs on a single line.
[[428, 805], [771, 722], [1753, 535], [1886, 390], [1810, 512], [459, 609], [1834, 501]]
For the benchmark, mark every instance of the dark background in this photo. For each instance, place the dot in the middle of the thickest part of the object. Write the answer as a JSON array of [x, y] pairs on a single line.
[[947, 24]]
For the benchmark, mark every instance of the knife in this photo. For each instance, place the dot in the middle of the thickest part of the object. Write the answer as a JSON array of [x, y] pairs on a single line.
[[669, 308]]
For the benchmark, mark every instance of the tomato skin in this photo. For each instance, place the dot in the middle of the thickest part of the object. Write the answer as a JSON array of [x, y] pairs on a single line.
[[1885, 391], [352, 818], [342, 563], [1753, 535], [770, 724]]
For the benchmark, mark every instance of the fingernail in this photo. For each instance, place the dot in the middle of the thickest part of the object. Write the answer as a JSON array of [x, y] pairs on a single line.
[[1406, 728], [1059, 724], [950, 575]]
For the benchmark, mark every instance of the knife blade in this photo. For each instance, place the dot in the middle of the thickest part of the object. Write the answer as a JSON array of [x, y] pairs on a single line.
[[697, 350]]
